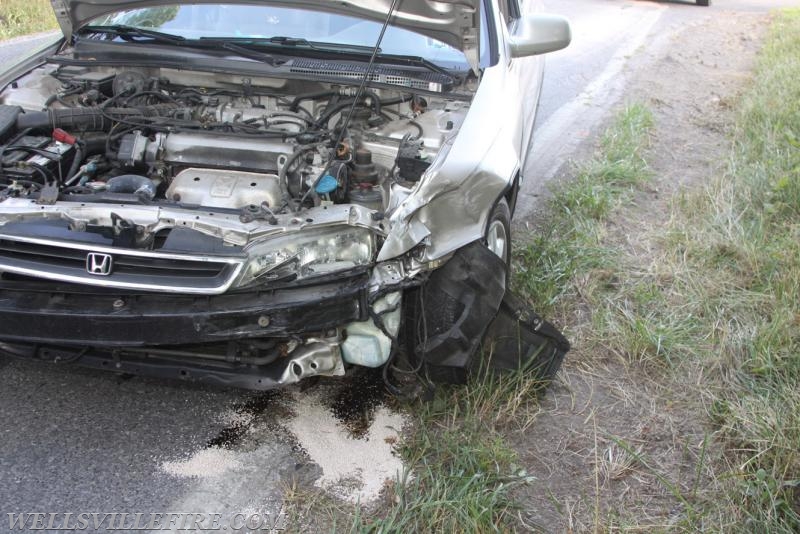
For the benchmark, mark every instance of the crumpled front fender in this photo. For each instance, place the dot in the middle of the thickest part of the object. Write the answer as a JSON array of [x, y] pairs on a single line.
[[452, 203]]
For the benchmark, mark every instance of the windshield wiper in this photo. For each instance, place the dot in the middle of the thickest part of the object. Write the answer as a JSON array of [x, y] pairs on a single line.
[[248, 53], [342, 50], [129, 32], [413, 61], [280, 41]]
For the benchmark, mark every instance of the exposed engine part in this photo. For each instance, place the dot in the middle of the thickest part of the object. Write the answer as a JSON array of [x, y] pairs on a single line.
[[133, 184], [251, 213], [336, 183], [364, 171], [410, 162], [202, 150], [137, 122], [129, 82], [224, 188], [38, 159], [8, 121], [95, 81], [86, 79], [95, 119], [368, 196]]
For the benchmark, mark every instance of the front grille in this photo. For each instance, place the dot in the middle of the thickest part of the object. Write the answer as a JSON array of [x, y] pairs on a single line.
[[131, 269], [428, 81]]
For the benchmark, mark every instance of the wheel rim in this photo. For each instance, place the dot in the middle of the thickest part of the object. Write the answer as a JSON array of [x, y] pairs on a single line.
[[497, 239]]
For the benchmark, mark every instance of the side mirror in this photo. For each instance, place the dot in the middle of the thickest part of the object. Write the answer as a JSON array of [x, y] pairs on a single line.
[[539, 34]]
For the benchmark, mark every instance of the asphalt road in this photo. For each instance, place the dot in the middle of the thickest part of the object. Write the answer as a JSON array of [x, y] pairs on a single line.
[[84, 441], [14, 49], [585, 81]]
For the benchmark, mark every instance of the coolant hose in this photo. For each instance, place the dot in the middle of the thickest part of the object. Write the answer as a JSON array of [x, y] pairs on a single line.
[[134, 184]]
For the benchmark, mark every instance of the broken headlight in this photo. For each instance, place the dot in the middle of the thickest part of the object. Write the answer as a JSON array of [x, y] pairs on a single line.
[[308, 254]]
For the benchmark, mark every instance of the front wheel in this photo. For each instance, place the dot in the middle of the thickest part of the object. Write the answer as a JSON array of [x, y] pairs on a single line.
[[498, 234]]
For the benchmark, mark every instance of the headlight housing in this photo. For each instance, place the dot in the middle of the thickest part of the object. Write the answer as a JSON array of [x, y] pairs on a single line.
[[307, 254]]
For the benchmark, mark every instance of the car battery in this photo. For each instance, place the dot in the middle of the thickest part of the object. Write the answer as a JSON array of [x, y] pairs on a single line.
[[29, 153]]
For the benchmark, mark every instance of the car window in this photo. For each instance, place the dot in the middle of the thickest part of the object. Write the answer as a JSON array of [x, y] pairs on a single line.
[[227, 20], [510, 10]]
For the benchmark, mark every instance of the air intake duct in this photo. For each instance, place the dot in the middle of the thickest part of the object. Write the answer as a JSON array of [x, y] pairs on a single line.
[[92, 119]]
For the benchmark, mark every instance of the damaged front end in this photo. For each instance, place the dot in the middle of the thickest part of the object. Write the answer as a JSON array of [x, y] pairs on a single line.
[[257, 224]]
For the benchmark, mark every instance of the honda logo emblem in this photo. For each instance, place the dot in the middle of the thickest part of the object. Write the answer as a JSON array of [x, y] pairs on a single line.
[[100, 264]]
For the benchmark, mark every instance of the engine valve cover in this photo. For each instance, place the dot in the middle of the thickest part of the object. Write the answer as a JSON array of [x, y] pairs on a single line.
[[216, 188]]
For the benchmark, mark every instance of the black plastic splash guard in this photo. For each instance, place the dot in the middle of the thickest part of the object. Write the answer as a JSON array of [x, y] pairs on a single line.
[[466, 309]]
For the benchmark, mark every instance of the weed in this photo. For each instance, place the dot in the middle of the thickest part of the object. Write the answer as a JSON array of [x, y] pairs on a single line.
[[21, 17]]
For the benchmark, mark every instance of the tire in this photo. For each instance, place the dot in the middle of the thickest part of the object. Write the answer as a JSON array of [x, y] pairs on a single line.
[[498, 234], [703, 3]]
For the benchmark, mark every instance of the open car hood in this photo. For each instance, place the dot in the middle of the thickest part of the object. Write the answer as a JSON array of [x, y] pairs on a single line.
[[454, 22]]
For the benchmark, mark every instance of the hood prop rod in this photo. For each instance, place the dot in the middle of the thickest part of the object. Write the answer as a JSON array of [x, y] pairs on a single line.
[[375, 50]]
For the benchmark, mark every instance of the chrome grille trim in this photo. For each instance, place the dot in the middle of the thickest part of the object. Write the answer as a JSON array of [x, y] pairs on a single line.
[[140, 270]]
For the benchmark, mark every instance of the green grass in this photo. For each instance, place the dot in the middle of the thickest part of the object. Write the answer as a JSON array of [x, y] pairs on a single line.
[[720, 291], [549, 264], [742, 240], [22, 17], [461, 472]]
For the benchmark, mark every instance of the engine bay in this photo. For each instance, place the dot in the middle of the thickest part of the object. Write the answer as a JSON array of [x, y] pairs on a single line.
[[256, 147]]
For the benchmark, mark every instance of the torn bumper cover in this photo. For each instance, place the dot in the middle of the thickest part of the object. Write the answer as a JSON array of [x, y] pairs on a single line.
[[266, 339], [468, 316]]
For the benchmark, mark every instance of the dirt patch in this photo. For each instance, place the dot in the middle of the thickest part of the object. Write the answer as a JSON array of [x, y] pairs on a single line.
[[617, 444]]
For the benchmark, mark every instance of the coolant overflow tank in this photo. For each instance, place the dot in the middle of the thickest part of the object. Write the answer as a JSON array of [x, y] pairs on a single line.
[[366, 344]]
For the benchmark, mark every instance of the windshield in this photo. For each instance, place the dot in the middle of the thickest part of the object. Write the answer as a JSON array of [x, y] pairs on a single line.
[[238, 21]]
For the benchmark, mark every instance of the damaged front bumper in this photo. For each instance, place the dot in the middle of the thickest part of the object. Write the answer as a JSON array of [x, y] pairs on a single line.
[[266, 339], [255, 340]]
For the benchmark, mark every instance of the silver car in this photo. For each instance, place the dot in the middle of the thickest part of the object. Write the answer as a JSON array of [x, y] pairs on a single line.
[[258, 192]]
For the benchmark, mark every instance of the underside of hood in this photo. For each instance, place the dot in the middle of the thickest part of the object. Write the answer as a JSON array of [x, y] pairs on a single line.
[[454, 22]]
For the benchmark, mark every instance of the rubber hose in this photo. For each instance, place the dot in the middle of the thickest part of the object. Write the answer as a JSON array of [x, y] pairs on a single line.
[[133, 184], [87, 118]]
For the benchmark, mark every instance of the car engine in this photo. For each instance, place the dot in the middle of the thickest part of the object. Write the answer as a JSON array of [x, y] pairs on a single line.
[[256, 146]]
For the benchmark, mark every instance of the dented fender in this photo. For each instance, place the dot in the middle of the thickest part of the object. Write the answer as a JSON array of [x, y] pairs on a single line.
[[451, 206]]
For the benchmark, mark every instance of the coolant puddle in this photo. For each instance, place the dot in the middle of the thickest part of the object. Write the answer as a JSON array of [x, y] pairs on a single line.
[[355, 403], [242, 416], [355, 466], [339, 434]]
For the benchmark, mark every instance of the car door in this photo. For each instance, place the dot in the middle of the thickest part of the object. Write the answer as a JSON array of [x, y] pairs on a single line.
[[525, 73]]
